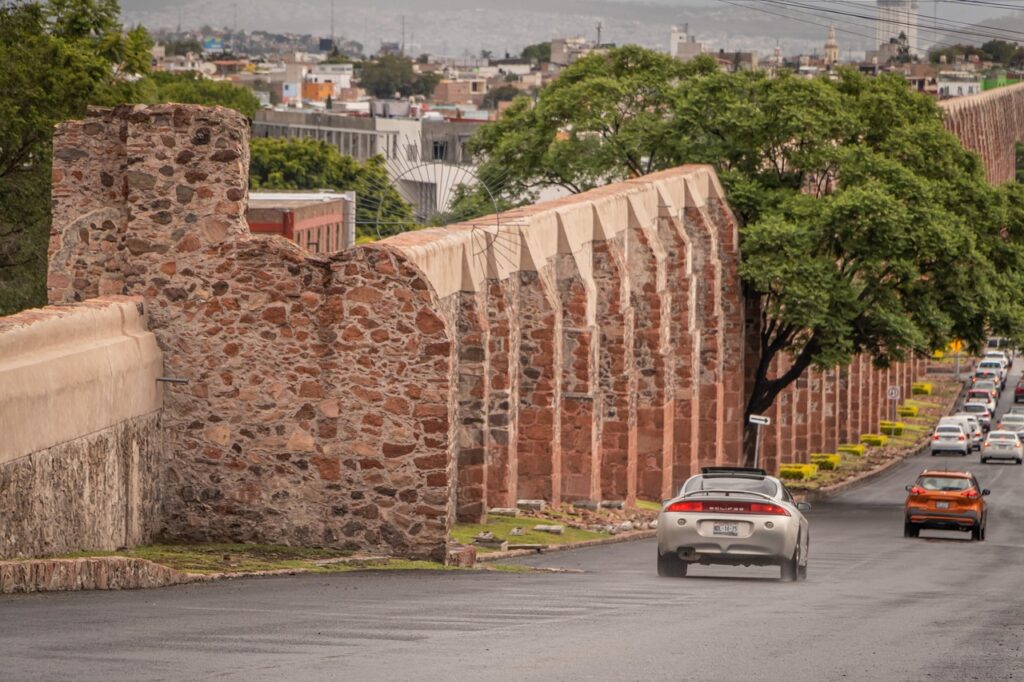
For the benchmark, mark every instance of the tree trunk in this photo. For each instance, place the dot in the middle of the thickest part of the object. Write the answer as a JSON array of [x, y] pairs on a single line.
[[765, 390]]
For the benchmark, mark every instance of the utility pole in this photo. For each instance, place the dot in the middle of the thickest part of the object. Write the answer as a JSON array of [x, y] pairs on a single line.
[[234, 25], [332, 25], [402, 52], [600, 26]]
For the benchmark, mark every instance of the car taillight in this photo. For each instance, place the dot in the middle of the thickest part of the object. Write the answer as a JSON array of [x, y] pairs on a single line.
[[970, 493], [917, 490], [718, 507], [986, 444], [962, 438], [935, 437], [686, 507]]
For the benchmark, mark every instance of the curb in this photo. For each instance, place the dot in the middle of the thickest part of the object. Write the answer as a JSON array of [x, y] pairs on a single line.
[[91, 573], [867, 476], [615, 539]]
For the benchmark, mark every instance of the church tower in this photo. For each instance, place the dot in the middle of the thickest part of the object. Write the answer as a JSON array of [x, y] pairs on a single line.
[[831, 47]]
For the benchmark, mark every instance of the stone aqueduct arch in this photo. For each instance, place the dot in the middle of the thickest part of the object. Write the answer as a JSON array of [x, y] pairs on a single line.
[[591, 348]]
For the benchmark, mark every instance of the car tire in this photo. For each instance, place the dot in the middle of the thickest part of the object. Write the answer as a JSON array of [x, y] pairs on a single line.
[[911, 530], [791, 568], [983, 460], [671, 566], [977, 534], [1020, 461]]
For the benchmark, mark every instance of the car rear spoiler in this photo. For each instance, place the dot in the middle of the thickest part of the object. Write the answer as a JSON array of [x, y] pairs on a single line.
[[734, 471]]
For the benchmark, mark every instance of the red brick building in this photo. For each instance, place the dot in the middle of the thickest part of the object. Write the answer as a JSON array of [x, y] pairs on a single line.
[[321, 222]]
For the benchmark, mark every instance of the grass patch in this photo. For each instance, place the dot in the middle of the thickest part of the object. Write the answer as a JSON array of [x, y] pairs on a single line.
[[247, 558], [501, 525], [648, 505]]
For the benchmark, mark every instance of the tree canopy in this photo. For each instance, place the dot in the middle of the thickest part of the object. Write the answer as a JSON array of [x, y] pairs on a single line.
[[389, 75], [192, 88], [865, 226], [540, 52], [307, 164], [57, 58]]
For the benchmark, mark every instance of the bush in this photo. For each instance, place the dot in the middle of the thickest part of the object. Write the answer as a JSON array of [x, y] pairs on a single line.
[[851, 449], [798, 472], [938, 355], [874, 439], [826, 462], [921, 388], [892, 428], [907, 410]]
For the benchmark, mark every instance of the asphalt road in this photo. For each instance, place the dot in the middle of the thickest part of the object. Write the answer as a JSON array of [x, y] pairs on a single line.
[[876, 606]]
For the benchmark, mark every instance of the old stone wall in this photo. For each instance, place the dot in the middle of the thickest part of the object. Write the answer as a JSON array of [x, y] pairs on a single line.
[[80, 418], [599, 353], [990, 124], [592, 348], [317, 408]]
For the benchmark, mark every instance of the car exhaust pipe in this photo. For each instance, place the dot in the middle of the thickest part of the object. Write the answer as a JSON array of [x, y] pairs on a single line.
[[687, 553]]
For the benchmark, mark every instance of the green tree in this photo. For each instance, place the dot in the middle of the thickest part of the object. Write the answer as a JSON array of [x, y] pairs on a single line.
[[540, 52], [58, 57], [310, 164], [391, 74], [606, 118], [865, 226], [175, 48], [192, 88], [386, 75], [1000, 51], [505, 93]]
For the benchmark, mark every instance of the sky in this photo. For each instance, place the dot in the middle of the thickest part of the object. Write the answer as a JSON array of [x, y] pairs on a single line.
[[462, 27]]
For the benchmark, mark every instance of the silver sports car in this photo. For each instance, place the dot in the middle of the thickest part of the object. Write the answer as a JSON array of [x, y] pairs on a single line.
[[734, 516]]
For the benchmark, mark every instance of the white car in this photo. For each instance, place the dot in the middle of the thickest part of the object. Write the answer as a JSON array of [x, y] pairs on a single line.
[[734, 516], [995, 365], [950, 438], [979, 410], [1002, 445], [988, 401], [1000, 356], [971, 426], [1011, 422]]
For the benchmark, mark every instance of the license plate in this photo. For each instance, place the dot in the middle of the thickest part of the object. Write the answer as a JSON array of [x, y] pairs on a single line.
[[732, 529], [942, 505]]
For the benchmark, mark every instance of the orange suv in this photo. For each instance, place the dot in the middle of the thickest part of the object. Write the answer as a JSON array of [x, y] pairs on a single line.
[[946, 500]]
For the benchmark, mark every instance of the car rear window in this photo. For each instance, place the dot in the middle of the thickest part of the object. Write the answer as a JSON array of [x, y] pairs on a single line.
[[943, 483], [755, 485], [975, 407], [1013, 418], [1002, 436], [949, 428], [994, 364]]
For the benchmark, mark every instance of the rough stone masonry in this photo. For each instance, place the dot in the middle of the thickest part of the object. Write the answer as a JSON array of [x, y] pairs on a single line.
[[591, 348]]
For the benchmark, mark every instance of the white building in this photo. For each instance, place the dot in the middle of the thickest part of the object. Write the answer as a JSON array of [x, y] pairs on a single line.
[[683, 46], [896, 17], [958, 84]]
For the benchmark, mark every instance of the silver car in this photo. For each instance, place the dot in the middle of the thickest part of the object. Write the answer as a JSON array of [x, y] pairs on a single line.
[[1002, 445], [950, 438], [980, 411], [1011, 422], [737, 517]]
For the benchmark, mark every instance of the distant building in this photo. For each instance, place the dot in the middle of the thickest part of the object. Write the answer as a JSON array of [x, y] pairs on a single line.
[[320, 222], [896, 17], [683, 46], [958, 84], [831, 47], [737, 61], [566, 51], [425, 157]]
